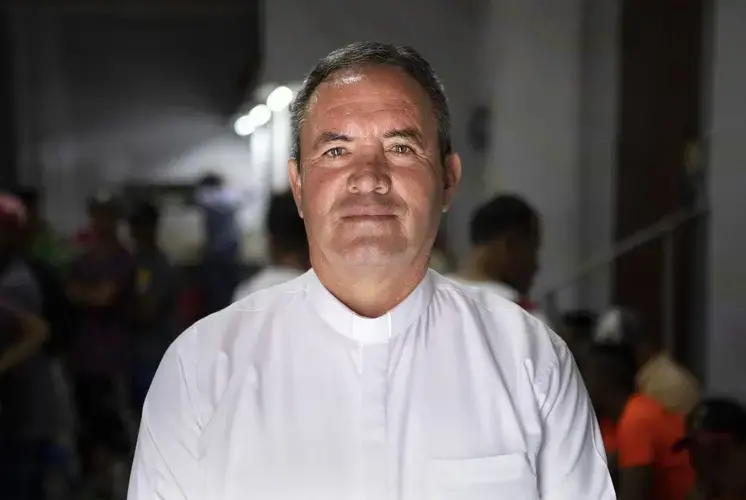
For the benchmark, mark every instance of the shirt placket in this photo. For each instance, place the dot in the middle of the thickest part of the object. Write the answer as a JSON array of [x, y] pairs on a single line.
[[373, 369]]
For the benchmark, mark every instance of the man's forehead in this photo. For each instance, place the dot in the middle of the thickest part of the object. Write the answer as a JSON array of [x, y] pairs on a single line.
[[368, 90]]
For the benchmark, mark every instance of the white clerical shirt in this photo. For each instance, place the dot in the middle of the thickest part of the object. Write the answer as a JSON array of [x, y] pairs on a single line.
[[455, 394]]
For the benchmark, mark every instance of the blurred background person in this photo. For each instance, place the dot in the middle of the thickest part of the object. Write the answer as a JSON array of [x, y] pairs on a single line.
[[44, 244], [577, 329], [288, 247], [47, 257], [639, 433], [716, 443], [101, 288], [441, 259], [26, 403], [659, 376], [220, 256], [505, 237], [155, 300]]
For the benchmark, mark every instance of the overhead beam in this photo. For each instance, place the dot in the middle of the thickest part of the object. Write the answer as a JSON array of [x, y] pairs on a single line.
[[134, 7]]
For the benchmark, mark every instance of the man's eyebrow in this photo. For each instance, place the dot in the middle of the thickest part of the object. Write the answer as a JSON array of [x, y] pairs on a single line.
[[405, 133], [326, 137]]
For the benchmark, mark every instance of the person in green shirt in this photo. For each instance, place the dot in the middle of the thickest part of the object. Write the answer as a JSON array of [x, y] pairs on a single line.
[[44, 244]]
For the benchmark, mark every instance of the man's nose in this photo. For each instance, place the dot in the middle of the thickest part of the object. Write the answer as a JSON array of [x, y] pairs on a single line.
[[371, 176]]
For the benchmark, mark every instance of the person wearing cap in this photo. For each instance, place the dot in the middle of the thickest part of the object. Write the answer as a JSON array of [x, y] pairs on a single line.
[[100, 286], [716, 443], [26, 422], [642, 433], [659, 376]]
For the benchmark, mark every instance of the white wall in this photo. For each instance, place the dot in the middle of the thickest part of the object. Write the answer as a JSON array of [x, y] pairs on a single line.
[[553, 100], [726, 340], [599, 106]]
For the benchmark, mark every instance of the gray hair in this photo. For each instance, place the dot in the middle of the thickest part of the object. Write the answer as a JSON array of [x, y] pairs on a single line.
[[366, 54]]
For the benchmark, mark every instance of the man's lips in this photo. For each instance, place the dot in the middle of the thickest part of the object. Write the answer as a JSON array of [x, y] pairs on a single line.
[[368, 213]]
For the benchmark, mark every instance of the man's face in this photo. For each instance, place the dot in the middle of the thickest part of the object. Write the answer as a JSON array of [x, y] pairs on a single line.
[[371, 185]]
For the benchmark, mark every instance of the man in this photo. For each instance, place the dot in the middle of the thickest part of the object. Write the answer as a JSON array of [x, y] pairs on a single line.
[[25, 398], [155, 303], [220, 255], [288, 247], [716, 442], [659, 376], [370, 377], [642, 433], [505, 235]]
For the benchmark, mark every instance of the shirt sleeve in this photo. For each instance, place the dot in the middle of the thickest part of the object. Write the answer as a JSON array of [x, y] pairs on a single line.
[[166, 465], [572, 461], [636, 442]]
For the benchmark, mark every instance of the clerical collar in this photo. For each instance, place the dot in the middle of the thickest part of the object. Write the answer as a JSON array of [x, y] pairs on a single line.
[[368, 330]]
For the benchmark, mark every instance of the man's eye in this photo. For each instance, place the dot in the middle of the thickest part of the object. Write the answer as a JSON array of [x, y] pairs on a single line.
[[402, 149], [334, 152]]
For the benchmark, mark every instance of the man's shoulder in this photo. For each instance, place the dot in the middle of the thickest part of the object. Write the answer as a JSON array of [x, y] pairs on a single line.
[[269, 277], [506, 324], [242, 320]]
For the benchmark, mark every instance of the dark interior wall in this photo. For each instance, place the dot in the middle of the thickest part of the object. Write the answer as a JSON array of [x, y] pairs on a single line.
[[660, 108], [112, 89], [7, 134]]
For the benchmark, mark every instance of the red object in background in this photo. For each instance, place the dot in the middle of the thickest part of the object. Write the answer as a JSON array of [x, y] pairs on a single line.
[[190, 306], [527, 305], [12, 212], [83, 238]]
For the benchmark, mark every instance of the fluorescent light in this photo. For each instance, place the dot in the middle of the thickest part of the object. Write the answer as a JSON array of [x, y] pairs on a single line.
[[243, 126], [259, 115], [280, 98]]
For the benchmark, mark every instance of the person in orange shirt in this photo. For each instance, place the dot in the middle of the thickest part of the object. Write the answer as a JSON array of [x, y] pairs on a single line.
[[642, 430], [659, 376], [716, 442]]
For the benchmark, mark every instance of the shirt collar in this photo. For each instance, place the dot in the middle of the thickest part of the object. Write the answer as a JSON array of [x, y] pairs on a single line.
[[368, 330]]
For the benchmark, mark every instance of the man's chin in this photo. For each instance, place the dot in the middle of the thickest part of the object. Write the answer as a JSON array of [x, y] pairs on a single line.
[[370, 254]]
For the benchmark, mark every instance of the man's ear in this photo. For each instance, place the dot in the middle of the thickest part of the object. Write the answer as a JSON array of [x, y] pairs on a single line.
[[451, 179], [296, 181]]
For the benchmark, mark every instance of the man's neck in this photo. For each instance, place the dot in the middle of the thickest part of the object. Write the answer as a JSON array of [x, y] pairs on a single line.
[[475, 271], [370, 293]]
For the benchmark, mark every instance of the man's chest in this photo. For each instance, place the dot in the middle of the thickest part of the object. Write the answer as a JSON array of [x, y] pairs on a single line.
[[377, 422]]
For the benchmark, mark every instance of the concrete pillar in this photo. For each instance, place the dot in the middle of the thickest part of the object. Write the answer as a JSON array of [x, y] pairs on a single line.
[[535, 51], [726, 339]]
